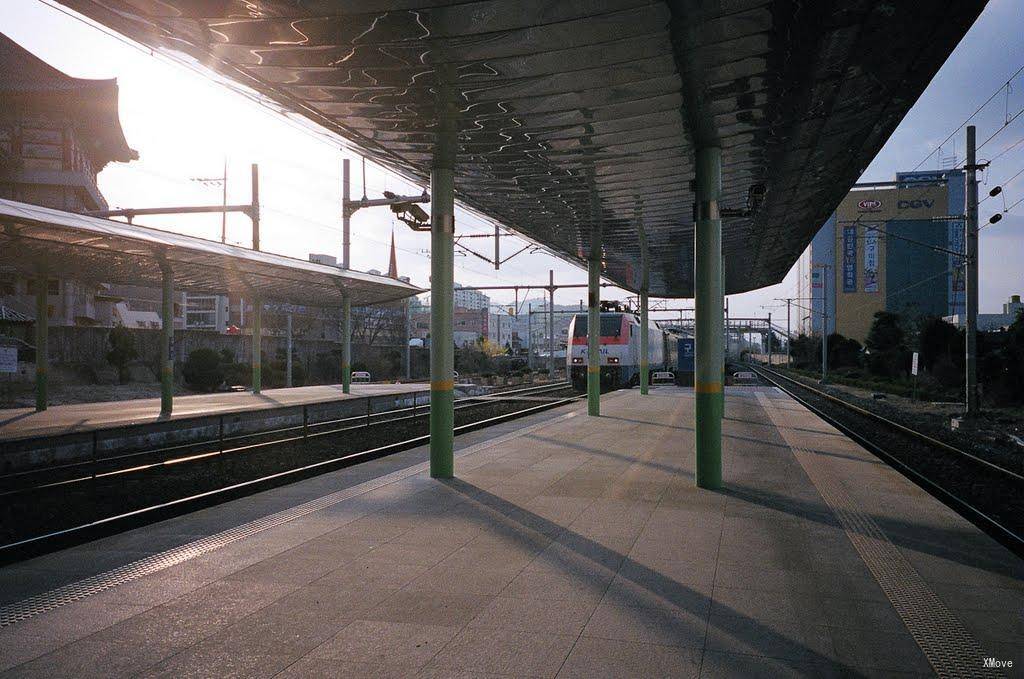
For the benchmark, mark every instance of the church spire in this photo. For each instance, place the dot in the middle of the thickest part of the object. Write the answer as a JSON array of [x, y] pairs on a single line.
[[393, 264]]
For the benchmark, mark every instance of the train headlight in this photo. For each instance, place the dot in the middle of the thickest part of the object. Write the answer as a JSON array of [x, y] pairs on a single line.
[[613, 360], [577, 360]]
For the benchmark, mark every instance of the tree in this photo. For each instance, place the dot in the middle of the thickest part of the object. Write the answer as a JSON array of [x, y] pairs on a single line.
[[940, 340], [805, 351], [381, 324], [886, 332], [122, 350], [203, 370], [843, 352], [887, 354]]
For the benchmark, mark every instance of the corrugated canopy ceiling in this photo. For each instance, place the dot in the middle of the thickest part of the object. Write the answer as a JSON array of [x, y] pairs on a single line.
[[581, 114]]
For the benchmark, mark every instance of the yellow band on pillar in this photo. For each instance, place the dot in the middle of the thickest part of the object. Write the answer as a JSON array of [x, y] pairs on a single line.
[[442, 385], [591, 369], [708, 387]]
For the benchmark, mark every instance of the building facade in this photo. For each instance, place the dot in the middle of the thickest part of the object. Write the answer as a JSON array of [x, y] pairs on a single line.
[[888, 247], [466, 298], [1012, 309]]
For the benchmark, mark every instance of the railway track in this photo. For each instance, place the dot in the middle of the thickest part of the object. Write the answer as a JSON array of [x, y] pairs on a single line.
[[985, 493], [47, 509]]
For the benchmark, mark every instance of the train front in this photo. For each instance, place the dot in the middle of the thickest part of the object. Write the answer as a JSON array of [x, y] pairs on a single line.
[[617, 369]]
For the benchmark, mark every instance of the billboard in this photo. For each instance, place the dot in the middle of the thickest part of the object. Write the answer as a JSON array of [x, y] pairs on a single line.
[[871, 258], [850, 258]]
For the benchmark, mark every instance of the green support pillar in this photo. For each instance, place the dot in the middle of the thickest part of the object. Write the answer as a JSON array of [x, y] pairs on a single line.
[[346, 343], [42, 323], [442, 297], [645, 351], [709, 320], [257, 349], [166, 341], [594, 326]]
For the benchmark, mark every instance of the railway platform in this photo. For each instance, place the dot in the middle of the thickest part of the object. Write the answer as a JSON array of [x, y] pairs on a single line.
[[566, 546], [17, 423]]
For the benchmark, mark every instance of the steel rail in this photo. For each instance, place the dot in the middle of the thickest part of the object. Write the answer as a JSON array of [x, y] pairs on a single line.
[[365, 417], [988, 523], [366, 421], [176, 506], [890, 423]]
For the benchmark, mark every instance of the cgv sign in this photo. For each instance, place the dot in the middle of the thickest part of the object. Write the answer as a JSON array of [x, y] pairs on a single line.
[[916, 204]]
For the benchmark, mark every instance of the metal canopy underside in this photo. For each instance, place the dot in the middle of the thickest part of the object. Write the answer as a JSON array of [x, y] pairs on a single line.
[[581, 114], [105, 251]]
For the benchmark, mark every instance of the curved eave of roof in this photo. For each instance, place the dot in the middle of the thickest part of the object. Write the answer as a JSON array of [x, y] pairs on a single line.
[[582, 115], [28, 81]]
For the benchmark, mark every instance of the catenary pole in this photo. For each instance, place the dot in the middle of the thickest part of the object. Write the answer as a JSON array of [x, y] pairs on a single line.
[[551, 324], [971, 282], [166, 340], [42, 339], [346, 302]]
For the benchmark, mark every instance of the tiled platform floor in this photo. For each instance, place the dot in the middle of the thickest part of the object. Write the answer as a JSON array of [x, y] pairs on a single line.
[[23, 422], [568, 546]]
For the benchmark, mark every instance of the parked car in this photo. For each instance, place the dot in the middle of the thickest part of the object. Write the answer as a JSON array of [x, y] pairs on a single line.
[[360, 376]]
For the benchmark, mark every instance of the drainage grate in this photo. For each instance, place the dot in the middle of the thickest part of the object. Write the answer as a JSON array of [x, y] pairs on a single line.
[[75, 591], [950, 648]]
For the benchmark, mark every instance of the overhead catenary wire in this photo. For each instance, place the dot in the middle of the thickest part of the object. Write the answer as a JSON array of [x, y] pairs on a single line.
[[971, 117], [270, 108]]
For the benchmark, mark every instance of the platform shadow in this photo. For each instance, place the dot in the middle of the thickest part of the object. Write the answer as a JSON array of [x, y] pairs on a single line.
[[755, 634], [938, 542], [16, 418]]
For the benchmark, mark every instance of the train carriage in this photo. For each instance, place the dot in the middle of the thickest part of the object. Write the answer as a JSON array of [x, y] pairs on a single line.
[[619, 348]]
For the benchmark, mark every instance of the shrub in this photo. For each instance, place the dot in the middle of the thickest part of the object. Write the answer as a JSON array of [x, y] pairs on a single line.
[[203, 370], [122, 350], [236, 374]]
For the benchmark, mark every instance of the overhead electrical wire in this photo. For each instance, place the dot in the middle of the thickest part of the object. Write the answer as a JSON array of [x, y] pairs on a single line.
[[971, 117]]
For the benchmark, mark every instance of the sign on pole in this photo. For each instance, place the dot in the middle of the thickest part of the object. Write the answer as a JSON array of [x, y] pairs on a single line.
[[913, 365], [8, 359]]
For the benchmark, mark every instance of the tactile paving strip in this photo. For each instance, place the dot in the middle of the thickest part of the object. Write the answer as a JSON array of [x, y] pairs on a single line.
[[949, 646], [75, 591]]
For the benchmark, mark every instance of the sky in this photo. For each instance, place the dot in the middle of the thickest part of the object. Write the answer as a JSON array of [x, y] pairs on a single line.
[[185, 126]]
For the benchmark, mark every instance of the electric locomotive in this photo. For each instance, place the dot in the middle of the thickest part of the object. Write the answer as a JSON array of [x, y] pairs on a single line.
[[619, 348]]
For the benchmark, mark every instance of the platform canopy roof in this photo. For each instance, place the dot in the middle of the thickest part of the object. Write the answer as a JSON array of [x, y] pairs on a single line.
[[106, 251], [584, 114]]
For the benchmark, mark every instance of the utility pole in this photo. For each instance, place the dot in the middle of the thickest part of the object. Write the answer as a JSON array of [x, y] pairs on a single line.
[[255, 215], [346, 304], [824, 321], [971, 262], [224, 200], [529, 333], [769, 339], [408, 340], [288, 349], [551, 324], [789, 335]]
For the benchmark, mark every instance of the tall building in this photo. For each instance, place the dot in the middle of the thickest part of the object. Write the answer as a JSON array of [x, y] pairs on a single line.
[[466, 298], [887, 247]]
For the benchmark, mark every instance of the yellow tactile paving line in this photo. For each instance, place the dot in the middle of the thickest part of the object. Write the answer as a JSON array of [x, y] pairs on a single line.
[[949, 646]]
